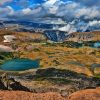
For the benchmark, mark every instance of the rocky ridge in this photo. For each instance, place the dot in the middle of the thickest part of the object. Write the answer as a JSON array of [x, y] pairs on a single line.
[[64, 82]]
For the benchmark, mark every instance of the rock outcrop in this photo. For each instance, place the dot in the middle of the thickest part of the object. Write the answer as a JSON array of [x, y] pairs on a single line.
[[64, 82], [4, 48], [21, 95], [84, 36], [10, 84], [49, 80], [56, 80], [89, 94]]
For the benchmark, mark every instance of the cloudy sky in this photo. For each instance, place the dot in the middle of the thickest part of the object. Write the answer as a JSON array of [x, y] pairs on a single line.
[[37, 9]]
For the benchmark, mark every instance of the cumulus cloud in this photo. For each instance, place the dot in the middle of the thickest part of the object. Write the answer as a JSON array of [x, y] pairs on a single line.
[[85, 10], [6, 11], [69, 28], [87, 13], [88, 2], [29, 14], [26, 11], [5, 1], [49, 3], [95, 22], [75, 15], [76, 10]]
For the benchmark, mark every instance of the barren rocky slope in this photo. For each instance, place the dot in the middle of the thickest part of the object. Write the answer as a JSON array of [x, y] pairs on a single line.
[[92, 94], [64, 82], [21, 95], [40, 36], [89, 94], [65, 68]]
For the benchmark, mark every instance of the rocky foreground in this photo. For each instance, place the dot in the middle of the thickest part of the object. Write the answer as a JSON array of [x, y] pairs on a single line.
[[90, 94], [21, 95], [64, 82]]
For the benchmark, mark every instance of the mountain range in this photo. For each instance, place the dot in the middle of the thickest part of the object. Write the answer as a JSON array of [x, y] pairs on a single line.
[[56, 32]]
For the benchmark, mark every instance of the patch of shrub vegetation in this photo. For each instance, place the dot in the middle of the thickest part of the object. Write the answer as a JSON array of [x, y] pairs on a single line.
[[54, 80], [36, 50], [50, 53], [4, 56], [97, 75]]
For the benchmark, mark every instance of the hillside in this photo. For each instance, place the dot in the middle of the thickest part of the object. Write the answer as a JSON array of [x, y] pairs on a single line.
[[84, 36], [23, 36], [54, 36], [64, 68], [90, 94]]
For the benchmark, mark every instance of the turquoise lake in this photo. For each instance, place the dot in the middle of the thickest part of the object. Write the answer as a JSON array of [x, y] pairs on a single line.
[[97, 44], [19, 65]]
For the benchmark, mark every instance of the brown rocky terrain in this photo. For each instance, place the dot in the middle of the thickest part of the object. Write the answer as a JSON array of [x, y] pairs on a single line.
[[39, 36], [84, 36], [5, 49], [90, 94], [21, 95], [64, 82], [63, 70], [22, 36]]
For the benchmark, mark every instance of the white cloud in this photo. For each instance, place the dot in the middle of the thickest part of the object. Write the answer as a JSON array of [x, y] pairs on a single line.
[[88, 2], [6, 11], [11, 10], [56, 8], [4, 1], [49, 3], [95, 22], [53, 9], [88, 13], [26, 11]]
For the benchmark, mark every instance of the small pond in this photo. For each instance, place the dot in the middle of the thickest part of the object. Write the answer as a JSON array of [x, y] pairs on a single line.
[[19, 65], [95, 65], [97, 44], [93, 44]]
